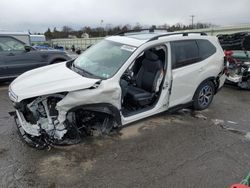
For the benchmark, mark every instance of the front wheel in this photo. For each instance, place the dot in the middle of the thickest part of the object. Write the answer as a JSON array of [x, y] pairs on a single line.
[[204, 95]]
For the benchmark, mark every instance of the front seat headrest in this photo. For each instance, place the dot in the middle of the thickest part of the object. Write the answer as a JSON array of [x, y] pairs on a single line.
[[151, 56]]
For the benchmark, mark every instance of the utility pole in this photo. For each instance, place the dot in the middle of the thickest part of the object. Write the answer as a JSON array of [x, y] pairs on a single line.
[[101, 29], [192, 17]]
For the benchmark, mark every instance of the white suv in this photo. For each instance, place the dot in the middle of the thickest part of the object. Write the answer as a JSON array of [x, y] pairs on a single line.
[[122, 79]]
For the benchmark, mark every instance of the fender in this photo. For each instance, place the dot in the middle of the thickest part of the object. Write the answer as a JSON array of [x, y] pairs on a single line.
[[213, 79]]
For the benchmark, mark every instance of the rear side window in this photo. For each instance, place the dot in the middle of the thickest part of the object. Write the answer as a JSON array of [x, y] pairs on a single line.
[[206, 48], [184, 53]]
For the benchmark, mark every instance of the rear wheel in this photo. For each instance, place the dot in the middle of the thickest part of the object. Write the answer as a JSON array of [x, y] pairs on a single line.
[[204, 95]]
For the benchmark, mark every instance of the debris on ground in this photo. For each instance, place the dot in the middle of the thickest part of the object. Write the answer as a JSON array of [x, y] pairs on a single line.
[[248, 135], [232, 122], [218, 122], [184, 111], [198, 115]]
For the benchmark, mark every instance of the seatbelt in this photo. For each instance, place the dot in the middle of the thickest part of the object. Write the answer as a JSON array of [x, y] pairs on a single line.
[[159, 80]]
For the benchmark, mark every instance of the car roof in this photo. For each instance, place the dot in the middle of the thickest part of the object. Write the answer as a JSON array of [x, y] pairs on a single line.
[[13, 33], [136, 39]]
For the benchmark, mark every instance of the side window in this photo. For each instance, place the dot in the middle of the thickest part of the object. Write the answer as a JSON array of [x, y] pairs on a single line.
[[184, 53], [206, 48], [10, 44]]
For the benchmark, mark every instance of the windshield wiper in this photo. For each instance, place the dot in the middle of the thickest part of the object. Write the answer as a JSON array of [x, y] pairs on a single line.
[[83, 72]]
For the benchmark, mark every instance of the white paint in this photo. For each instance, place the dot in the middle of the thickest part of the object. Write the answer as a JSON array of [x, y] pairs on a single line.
[[58, 78], [48, 80]]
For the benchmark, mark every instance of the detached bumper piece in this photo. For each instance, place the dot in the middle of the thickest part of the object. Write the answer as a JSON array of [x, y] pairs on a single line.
[[33, 141]]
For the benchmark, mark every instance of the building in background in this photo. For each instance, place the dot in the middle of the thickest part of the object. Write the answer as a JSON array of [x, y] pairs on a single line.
[[37, 39]]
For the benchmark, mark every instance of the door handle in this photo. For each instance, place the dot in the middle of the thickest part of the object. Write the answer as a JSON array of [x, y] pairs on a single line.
[[10, 54]]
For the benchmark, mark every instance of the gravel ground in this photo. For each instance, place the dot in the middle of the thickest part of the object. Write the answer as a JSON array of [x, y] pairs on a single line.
[[186, 149]]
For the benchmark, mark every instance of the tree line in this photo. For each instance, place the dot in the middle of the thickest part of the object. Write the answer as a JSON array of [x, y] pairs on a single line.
[[66, 31]]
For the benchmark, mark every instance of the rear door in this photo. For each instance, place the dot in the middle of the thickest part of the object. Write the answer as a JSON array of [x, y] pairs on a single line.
[[16, 59], [185, 70], [191, 64]]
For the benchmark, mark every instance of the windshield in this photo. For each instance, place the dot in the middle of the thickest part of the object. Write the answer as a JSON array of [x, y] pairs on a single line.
[[104, 59]]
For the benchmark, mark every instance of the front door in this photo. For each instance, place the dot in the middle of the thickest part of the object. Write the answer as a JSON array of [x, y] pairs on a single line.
[[161, 95], [16, 60]]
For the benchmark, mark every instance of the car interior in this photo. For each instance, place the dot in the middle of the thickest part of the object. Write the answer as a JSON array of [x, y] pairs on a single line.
[[142, 82]]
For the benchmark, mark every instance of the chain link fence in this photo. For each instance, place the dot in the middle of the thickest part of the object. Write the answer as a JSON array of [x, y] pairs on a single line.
[[81, 43]]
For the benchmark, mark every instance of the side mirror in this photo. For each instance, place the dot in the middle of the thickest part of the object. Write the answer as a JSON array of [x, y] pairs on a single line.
[[27, 48]]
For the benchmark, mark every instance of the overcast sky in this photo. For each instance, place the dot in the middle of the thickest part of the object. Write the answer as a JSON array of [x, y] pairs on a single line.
[[38, 15]]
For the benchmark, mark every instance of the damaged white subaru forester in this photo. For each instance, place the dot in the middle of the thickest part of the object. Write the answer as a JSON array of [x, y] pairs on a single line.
[[121, 79]]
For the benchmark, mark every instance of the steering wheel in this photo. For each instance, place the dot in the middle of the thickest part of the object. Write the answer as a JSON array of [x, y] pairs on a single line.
[[128, 76]]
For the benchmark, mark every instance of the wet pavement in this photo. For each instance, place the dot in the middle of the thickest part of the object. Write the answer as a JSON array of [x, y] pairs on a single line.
[[186, 149]]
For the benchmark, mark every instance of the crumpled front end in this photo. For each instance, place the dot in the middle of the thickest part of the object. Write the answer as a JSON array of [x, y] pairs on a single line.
[[68, 117], [37, 122]]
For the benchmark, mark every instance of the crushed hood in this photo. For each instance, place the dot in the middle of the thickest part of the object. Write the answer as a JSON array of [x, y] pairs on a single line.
[[48, 80]]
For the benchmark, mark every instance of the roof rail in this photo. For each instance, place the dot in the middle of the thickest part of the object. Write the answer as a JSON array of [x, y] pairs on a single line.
[[150, 30], [176, 33]]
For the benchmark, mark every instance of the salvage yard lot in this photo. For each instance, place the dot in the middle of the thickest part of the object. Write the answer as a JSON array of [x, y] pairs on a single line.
[[202, 149]]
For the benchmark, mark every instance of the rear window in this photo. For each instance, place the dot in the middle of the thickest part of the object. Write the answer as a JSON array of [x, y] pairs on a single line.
[[206, 48], [184, 53], [187, 52]]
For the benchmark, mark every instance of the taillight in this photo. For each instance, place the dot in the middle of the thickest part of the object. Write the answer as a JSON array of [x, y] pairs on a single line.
[[228, 53]]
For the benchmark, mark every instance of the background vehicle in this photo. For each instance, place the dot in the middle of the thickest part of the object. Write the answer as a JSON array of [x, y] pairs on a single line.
[[237, 52], [120, 80], [16, 57], [42, 47]]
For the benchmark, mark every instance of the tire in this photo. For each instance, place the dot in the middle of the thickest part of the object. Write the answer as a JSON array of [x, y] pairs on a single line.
[[204, 95]]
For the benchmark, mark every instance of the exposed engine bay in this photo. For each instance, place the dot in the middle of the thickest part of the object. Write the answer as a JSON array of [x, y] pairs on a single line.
[[239, 73], [237, 54], [38, 123]]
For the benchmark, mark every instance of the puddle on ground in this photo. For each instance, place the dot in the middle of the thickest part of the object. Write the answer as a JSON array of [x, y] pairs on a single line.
[[131, 131], [87, 165], [65, 166], [136, 129]]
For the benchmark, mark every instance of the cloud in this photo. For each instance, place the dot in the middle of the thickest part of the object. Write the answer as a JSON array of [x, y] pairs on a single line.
[[38, 15]]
